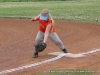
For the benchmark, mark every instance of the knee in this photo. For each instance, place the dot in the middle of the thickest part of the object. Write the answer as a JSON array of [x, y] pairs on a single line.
[[58, 42], [38, 40]]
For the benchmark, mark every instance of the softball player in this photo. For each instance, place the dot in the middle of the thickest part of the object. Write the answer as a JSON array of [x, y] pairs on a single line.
[[47, 30]]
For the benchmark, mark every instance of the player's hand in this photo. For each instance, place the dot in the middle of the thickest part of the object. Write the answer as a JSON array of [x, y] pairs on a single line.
[[32, 19]]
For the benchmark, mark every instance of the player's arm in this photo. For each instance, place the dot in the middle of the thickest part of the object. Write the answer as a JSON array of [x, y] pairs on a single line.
[[47, 33], [35, 18]]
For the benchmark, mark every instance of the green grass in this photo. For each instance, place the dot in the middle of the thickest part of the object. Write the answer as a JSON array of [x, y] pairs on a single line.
[[69, 72], [76, 10]]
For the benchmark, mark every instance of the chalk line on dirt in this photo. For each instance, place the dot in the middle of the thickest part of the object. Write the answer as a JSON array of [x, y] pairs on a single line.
[[32, 65], [45, 61]]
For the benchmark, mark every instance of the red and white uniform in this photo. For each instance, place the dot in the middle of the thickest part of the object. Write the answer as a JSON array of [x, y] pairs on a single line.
[[44, 24]]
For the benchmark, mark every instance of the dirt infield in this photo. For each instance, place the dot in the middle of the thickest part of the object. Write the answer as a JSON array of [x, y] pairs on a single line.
[[17, 45]]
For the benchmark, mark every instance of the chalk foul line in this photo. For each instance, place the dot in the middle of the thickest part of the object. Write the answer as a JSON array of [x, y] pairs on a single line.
[[32, 65], [45, 61], [90, 52]]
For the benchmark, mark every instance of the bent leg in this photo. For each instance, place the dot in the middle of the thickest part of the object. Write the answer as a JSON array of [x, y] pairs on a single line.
[[39, 37], [54, 37]]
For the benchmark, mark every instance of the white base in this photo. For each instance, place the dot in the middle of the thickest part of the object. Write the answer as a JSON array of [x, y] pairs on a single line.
[[67, 54], [55, 53]]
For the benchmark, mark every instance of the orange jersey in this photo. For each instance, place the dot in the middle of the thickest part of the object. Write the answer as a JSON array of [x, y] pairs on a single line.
[[44, 24]]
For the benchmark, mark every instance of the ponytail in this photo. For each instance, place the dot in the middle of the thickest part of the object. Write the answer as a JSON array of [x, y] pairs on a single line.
[[52, 24]]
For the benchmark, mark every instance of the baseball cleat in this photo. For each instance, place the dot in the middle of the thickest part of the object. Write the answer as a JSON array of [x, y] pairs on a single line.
[[65, 51], [35, 55]]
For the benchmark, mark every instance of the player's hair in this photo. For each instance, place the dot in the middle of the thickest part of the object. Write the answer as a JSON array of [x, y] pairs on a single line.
[[53, 23]]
